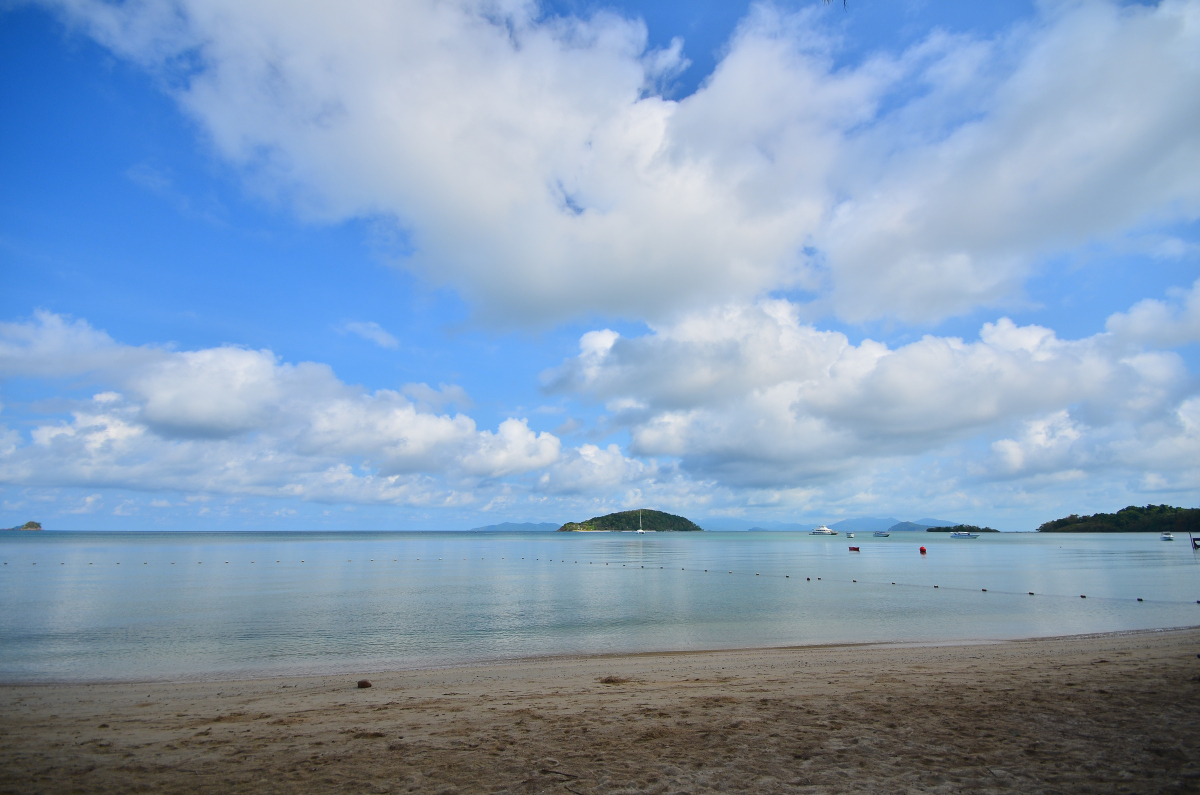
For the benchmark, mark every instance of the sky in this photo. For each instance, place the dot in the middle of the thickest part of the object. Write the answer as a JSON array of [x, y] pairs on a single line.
[[439, 264]]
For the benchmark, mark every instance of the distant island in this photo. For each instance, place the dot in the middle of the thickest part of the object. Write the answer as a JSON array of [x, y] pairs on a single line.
[[27, 526], [961, 528], [1151, 519], [626, 521]]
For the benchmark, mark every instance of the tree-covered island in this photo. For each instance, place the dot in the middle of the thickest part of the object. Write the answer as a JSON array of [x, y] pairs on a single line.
[[1151, 519], [961, 528], [627, 521], [26, 526]]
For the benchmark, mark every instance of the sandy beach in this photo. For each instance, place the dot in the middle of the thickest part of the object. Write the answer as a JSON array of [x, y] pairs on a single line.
[[1114, 713]]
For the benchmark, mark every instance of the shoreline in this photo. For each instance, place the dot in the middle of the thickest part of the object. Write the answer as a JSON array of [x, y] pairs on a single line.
[[562, 658], [1114, 712]]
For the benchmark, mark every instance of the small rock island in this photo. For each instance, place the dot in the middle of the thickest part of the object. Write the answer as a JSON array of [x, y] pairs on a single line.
[[627, 521], [26, 526]]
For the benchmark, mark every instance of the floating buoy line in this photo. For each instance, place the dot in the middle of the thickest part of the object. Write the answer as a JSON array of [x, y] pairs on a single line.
[[731, 571]]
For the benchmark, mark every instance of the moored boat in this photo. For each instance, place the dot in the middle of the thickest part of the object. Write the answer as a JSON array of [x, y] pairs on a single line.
[[964, 535], [882, 534], [823, 531], [1166, 535]]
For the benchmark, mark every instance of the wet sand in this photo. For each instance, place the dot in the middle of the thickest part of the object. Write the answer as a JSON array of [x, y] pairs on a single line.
[[1114, 713]]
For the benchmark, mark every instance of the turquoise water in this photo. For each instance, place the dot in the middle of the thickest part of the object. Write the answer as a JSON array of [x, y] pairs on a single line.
[[133, 606]]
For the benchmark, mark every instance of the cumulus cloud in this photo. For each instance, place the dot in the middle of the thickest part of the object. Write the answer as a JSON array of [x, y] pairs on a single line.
[[590, 469], [1161, 323], [54, 346], [751, 396], [1082, 139], [231, 420], [539, 173]]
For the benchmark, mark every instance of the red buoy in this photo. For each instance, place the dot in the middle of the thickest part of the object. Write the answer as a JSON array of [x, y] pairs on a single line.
[[922, 550]]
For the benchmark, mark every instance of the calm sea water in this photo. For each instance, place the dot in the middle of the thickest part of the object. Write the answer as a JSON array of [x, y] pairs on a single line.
[[134, 606]]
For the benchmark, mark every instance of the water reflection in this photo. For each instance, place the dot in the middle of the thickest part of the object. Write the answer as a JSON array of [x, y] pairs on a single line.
[[140, 605]]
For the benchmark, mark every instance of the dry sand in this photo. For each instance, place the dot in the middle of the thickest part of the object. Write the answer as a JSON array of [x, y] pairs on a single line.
[[1087, 714]]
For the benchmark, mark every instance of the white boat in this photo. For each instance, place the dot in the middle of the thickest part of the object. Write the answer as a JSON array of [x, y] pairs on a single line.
[[882, 534], [849, 535], [823, 531], [964, 535], [1166, 536], [640, 531]]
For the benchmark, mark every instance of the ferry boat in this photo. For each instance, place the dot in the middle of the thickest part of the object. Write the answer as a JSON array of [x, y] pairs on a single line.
[[963, 534], [823, 531]]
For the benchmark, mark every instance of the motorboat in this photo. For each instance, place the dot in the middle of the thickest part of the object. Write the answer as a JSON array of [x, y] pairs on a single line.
[[962, 534], [849, 535], [1166, 535], [823, 531], [854, 549], [882, 534]]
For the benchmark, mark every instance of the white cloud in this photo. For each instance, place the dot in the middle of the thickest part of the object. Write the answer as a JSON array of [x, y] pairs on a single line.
[[589, 469], [539, 178], [372, 332], [512, 449], [54, 346], [750, 396], [230, 420], [1088, 135], [1161, 323]]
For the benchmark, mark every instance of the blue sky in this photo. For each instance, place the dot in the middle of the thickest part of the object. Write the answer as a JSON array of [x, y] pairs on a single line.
[[446, 264]]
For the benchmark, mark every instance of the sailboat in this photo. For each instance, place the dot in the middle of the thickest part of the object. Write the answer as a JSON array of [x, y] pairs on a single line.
[[640, 531]]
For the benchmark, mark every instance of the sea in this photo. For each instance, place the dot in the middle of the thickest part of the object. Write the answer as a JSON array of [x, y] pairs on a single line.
[[142, 606]]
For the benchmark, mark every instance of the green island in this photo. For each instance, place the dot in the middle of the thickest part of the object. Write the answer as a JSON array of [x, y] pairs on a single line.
[[626, 521], [1151, 519], [27, 526], [961, 528]]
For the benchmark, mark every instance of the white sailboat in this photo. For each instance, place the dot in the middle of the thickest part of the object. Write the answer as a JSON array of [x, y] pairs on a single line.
[[640, 531]]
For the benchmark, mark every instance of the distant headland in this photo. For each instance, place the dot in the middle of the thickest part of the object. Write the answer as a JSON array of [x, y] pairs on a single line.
[[26, 526], [1151, 519], [627, 521]]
